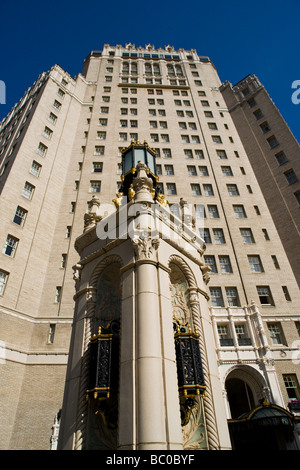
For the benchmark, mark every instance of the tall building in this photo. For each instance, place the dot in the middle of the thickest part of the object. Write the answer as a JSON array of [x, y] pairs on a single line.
[[274, 154], [60, 146]]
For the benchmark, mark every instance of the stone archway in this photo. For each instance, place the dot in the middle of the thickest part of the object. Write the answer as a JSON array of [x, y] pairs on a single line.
[[244, 389]]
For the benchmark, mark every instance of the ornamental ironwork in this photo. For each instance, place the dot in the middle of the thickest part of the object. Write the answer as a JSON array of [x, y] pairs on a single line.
[[189, 368], [104, 361]]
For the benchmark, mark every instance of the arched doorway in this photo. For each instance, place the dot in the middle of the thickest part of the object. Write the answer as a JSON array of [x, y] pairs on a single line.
[[256, 423], [240, 397], [244, 388]]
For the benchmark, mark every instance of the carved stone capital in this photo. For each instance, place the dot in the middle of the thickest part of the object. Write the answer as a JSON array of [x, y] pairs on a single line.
[[145, 248]]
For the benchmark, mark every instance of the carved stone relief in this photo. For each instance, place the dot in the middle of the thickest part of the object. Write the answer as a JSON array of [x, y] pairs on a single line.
[[179, 295]]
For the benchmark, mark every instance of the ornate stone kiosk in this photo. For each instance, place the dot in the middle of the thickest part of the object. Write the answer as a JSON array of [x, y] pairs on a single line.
[[142, 371]]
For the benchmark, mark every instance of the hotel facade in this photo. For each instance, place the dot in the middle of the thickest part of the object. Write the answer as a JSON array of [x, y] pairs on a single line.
[[62, 173]]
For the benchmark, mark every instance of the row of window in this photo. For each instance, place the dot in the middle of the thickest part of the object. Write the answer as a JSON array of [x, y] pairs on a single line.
[[232, 298], [219, 238], [243, 337], [281, 158], [255, 262]]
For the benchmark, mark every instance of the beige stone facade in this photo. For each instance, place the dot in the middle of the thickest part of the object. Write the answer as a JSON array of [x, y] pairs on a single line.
[[62, 144], [274, 154]]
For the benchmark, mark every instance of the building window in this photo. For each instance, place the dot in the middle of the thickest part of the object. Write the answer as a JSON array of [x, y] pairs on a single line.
[[208, 190], [290, 176], [95, 186], [160, 188], [219, 237], [213, 212], [221, 154], [63, 260], [171, 189], [297, 196], [97, 167], [275, 261], [42, 149], [276, 333], [200, 211], [224, 336], [104, 110], [20, 216], [10, 246], [265, 127], [264, 295], [68, 233], [281, 158], [251, 102], [203, 171], [258, 114], [57, 104], [3, 280], [216, 297], [255, 263], [272, 141], [167, 153], [158, 169], [225, 265], [216, 139], [211, 262], [265, 233], [61, 93], [58, 294], [51, 333], [239, 211], [232, 296], [102, 122], [292, 386], [195, 189], [205, 235], [191, 170], [28, 190], [47, 133], [101, 135], [35, 168], [123, 136], [286, 293], [247, 235], [226, 171], [99, 150], [169, 170], [52, 118], [199, 154], [188, 153], [232, 190]]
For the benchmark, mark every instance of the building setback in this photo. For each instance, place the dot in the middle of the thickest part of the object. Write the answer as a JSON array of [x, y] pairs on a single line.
[[62, 144], [274, 154]]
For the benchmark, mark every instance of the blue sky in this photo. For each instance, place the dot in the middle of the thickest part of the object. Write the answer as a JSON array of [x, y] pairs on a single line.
[[241, 38]]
